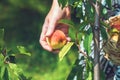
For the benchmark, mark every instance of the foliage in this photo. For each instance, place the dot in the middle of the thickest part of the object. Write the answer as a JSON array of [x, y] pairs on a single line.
[[82, 24], [8, 68], [64, 50]]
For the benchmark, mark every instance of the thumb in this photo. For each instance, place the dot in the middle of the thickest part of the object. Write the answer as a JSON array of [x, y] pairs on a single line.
[[51, 28]]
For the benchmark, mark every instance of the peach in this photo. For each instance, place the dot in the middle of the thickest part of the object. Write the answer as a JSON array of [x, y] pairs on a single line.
[[57, 40], [115, 37], [114, 22], [117, 26]]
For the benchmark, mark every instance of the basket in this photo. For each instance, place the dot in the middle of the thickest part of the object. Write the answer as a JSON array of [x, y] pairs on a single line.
[[111, 47]]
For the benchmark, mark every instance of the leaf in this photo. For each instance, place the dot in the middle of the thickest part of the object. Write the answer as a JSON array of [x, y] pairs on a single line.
[[74, 70], [89, 75], [5, 76], [87, 42], [104, 33], [2, 71], [79, 11], [18, 50], [104, 11], [109, 3], [12, 52], [1, 59], [89, 13], [16, 70], [67, 22], [84, 24], [64, 50], [71, 2], [23, 50], [62, 2], [80, 72], [77, 69], [89, 69], [23, 77]]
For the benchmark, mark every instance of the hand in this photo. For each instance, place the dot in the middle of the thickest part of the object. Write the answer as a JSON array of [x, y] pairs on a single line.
[[51, 23]]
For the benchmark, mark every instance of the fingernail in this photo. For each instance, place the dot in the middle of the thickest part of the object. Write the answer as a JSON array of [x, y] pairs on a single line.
[[47, 34]]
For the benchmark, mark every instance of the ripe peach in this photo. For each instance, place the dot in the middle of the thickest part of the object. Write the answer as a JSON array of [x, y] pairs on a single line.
[[117, 26], [115, 22], [57, 40]]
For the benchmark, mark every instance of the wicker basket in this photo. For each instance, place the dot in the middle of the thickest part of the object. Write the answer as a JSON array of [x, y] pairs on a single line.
[[112, 45]]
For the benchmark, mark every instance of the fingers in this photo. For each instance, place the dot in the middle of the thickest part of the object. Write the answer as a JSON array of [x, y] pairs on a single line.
[[47, 30], [42, 41], [45, 45], [50, 31], [51, 25]]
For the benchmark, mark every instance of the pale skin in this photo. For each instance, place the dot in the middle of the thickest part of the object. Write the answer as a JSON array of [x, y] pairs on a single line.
[[55, 14]]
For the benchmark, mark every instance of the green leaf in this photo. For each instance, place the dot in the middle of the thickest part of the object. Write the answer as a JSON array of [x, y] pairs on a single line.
[[5, 76], [12, 52], [23, 77], [1, 59], [109, 4], [104, 11], [79, 10], [84, 24], [2, 71], [63, 2], [77, 70], [89, 70], [73, 2], [16, 70], [89, 76], [80, 71], [64, 50], [87, 42], [89, 9], [103, 33], [18, 50], [23, 50], [67, 22]]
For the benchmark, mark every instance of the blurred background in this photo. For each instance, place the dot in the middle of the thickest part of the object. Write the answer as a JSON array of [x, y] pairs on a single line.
[[22, 21]]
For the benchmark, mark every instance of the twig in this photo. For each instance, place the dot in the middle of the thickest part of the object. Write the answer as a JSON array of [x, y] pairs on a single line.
[[80, 51]]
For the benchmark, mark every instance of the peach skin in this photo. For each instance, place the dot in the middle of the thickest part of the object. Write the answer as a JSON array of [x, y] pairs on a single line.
[[57, 40]]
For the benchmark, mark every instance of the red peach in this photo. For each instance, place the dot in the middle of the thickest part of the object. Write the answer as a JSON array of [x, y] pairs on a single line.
[[57, 40], [117, 26]]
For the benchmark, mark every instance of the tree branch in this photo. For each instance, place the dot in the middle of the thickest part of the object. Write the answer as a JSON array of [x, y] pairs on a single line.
[[96, 37]]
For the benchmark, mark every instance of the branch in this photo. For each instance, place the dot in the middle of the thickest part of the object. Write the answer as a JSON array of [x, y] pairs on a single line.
[[96, 37], [80, 51], [92, 3]]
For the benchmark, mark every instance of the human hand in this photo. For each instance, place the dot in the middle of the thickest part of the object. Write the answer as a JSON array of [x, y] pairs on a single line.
[[51, 23]]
